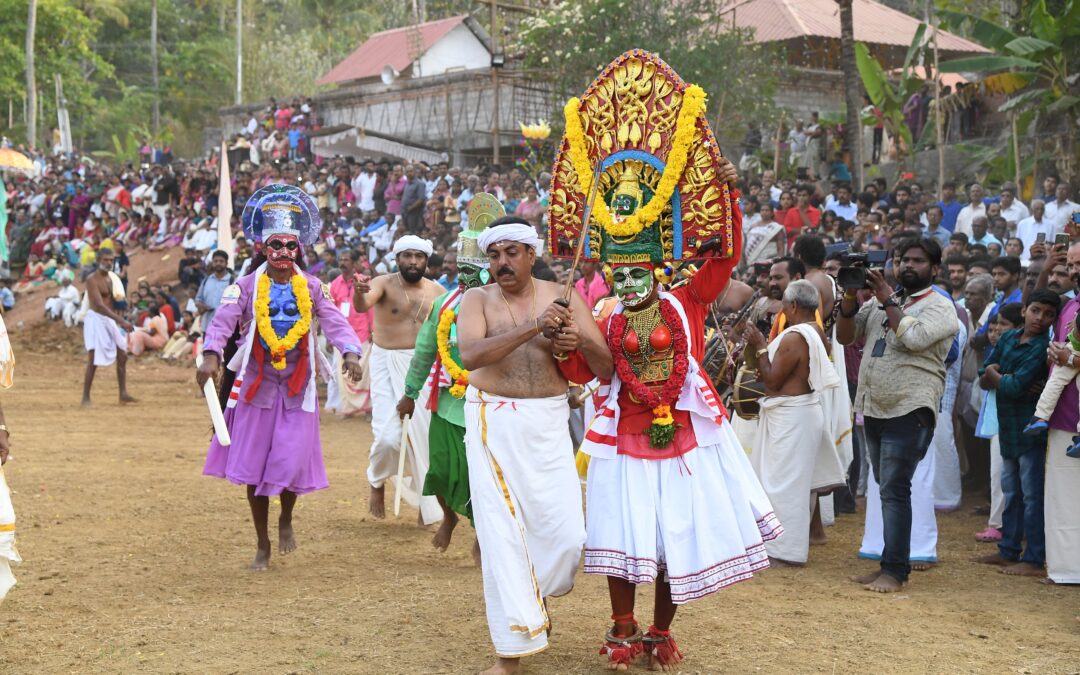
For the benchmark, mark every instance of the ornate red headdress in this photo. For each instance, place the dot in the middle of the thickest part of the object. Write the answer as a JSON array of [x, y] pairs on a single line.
[[660, 196]]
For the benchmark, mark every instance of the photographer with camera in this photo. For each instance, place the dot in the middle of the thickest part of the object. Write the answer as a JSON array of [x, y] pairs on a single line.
[[901, 382]]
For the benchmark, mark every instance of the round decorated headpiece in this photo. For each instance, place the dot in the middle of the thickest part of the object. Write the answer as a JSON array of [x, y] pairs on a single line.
[[661, 195], [281, 209], [484, 208]]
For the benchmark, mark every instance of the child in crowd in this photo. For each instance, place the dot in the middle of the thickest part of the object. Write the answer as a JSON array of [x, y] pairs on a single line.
[[1060, 377], [1016, 364]]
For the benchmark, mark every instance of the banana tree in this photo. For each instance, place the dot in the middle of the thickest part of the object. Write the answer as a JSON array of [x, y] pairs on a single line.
[[1031, 66], [890, 94]]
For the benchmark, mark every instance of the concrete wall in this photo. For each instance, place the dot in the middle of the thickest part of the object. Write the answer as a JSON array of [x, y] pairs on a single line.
[[810, 91], [460, 48]]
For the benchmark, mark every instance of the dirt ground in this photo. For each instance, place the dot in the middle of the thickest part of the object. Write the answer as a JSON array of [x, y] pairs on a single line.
[[136, 562]]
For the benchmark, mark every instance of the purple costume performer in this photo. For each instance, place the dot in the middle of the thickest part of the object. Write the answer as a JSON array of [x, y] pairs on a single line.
[[272, 414]]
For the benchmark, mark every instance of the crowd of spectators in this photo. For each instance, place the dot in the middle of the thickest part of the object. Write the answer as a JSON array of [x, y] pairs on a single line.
[[75, 206], [1008, 267]]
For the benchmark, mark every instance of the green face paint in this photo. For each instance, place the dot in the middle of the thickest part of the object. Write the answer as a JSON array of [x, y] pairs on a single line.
[[471, 276], [633, 285]]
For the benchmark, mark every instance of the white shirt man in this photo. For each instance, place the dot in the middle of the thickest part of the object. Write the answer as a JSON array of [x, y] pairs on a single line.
[[1012, 209], [364, 188], [1061, 210], [1028, 229], [842, 205], [974, 209]]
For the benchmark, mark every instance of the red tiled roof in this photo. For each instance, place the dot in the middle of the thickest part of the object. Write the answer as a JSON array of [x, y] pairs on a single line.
[[776, 20], [398, 48]]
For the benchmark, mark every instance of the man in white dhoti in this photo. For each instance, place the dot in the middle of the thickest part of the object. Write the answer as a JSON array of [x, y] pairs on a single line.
[[8, 554], [794, 453], [64, 304], [947, 491], [810, 250], [104, 328], [401, 301], [526, 497], [1061, 501]]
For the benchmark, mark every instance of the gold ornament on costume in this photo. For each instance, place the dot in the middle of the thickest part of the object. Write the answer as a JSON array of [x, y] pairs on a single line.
[[660, 195]]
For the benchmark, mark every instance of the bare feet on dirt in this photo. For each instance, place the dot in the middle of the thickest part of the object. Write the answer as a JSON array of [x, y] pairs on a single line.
[[993, 559], [1024, 569], [884, 584], [261, 563], [286, 538], [503, 667], [441, 539], [377, 502], [867, 578]]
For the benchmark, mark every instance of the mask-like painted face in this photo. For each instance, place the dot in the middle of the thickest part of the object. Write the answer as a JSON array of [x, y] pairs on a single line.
[[282, 250], [633, 285], [471, 276]]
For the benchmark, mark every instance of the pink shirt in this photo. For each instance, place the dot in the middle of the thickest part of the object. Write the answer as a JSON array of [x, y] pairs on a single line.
[[592, 291], [342, 295]]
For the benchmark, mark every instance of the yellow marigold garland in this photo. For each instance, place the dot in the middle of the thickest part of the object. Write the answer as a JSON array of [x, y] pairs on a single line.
[[459, 375], [693, 107], [280, 346]]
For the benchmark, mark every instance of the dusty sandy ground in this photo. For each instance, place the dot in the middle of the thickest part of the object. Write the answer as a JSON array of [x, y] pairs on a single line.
[[136, 562]]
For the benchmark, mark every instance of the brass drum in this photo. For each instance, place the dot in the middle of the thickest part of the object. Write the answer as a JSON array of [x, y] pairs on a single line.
[[747, 390]]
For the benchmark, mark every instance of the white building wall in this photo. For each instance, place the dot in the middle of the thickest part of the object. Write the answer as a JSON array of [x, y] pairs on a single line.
[[458, 48]]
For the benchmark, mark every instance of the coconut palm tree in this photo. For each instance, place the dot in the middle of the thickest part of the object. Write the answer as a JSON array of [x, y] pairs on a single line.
[[31, 85]]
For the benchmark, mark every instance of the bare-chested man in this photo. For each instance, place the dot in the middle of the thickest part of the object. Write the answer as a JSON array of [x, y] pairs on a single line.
[[791, 454], [526, 495], [104, 329], [810, 250], [401, 302]]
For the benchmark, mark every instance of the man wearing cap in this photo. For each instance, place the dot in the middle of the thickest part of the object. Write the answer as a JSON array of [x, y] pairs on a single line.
[[525, 492], [401, 302]]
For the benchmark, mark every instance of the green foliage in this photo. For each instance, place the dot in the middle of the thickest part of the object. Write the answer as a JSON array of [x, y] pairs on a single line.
[[1037, 55], [887, 93], [63, 45], [570, 43]]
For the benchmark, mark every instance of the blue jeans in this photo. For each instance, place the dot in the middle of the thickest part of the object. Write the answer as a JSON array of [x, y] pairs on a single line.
[[1022, 487], [896, 445]]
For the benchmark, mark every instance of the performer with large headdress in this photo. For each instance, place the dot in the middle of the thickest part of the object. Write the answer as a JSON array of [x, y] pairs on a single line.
[[671, 496], [436, 365], [272, 410]]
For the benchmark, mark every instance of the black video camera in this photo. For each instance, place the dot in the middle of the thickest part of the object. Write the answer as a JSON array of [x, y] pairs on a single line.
[[853, 266]]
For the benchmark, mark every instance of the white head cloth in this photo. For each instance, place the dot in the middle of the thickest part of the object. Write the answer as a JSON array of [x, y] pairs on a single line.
[[519, 232], [411, 242]]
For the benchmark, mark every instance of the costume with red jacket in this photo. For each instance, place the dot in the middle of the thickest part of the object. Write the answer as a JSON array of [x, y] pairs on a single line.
[[670, 492]]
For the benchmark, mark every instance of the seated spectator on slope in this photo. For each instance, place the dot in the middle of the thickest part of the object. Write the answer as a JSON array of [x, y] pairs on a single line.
[[151, 335], [65, 304]]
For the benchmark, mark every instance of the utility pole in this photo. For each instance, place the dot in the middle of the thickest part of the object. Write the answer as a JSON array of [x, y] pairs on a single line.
[[31, 86], [239, 52], [154, 65], [495, 46]]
